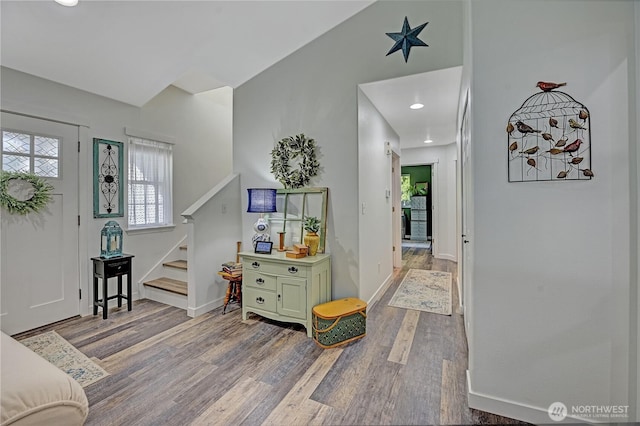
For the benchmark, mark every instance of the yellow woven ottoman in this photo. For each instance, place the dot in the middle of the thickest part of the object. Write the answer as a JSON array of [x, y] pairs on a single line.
[[339, 321]]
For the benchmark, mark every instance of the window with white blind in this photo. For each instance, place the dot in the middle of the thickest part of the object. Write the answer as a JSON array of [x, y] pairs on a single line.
[[29, 153], [150, 184]]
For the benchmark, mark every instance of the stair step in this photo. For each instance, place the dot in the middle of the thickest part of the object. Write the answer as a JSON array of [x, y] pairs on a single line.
[[169, 284], [179, 264]]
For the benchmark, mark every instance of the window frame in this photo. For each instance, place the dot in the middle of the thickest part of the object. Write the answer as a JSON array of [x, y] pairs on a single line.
[[168, 207], [32, 155]]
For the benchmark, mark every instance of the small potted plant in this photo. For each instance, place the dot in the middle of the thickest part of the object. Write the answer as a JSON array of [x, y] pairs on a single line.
[[311, 224]]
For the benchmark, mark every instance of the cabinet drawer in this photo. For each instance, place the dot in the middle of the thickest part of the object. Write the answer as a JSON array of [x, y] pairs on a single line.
[[418, 215], [284, 269], [113, 269], [260, 299], [258, 280]]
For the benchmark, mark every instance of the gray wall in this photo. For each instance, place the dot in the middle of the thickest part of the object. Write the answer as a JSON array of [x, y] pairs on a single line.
[[551, 277], [201, 126], [314, 91], [374, 165]]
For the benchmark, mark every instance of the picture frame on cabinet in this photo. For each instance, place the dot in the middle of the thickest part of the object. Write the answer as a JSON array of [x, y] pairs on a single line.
[[263, 247]]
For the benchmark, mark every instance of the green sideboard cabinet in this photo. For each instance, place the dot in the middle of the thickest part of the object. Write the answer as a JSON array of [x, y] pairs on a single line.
[[285, 289]]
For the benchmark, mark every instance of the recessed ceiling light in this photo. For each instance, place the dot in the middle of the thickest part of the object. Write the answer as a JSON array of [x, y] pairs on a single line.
[[416, 106], [67, 2], [428, 141]]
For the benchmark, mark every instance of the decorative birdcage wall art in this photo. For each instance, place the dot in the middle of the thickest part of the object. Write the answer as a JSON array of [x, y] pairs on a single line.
[[549, 139]]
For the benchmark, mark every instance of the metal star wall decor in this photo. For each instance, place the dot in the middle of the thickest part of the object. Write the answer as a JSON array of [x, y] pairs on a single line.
[[406, 39]]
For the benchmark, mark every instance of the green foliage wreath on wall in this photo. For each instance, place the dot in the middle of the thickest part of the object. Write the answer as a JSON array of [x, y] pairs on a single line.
[[294, 148], [23, 193]]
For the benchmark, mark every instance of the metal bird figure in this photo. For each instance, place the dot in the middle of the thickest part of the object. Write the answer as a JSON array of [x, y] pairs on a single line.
[[524, 128], [547, 86], [530, 150], [532, 163], [572, 147], [561, 142], [575, 125], [510, 128], [553, 122], [547, 136], [583, 115]]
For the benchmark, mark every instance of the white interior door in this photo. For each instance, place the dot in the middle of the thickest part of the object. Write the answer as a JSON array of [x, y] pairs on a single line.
[[39, 252], [397, 212], [466, 258]]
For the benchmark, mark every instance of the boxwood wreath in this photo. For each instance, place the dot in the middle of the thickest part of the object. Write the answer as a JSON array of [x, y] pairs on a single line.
[[39, 193], [294, 148]]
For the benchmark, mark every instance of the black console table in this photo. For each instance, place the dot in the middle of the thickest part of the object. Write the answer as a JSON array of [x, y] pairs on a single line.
[[109, 268]]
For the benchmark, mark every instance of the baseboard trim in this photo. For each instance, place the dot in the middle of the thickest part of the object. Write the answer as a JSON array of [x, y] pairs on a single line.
[[445, 256], [513, 409], [379, 292], [203, 309]]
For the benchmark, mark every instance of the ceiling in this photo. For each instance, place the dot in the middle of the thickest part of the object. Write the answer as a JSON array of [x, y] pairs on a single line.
[[131, 51], [437, 90]]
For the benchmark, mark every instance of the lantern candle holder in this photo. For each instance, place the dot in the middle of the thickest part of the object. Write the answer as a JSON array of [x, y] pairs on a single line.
[[111, 240]]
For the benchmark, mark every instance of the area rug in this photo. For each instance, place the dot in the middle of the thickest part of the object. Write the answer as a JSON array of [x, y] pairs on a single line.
[[55, 349], [423, 290]]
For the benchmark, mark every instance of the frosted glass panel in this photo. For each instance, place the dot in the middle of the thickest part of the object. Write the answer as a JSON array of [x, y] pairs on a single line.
[[46, 146], [15, 163], [16, 142], [45, 167]]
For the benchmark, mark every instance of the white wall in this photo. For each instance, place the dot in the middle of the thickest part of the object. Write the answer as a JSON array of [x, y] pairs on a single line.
[[634, 335], [201, 126], [551, 312], [314, 91], [443, 172], [213, 232], [375, 228]]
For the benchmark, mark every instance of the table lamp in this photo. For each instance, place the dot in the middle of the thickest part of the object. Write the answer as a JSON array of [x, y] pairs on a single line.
[[261, 200]]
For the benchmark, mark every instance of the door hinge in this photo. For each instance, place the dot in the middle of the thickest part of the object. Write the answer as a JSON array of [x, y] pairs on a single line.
[[78, 220], [393, 208], [394, 248], [78, 146], [80, 293]]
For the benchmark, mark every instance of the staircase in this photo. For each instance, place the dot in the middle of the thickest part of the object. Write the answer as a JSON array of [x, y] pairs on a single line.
[[171, 288]]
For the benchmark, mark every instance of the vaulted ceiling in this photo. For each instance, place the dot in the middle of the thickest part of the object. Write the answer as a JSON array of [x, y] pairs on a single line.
[[130, 51]]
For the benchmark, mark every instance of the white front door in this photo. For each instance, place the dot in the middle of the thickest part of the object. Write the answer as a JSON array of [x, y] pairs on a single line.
[[39, 252]]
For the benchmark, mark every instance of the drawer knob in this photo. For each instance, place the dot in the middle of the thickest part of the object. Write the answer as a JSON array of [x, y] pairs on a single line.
[[259, 300], [259, 281], [293, 269], [256, 264]]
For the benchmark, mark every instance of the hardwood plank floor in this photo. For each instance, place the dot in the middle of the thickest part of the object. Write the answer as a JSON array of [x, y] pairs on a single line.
[[168, 369]]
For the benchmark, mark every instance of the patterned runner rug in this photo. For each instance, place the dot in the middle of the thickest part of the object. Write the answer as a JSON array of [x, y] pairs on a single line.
[[55, 349], [423, 290]]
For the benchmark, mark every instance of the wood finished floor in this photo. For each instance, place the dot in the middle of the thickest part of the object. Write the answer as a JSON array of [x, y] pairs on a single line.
[[168, 369]]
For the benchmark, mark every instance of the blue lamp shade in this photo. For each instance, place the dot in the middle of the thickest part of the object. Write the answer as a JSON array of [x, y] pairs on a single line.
[[262, 200], [111, 240]]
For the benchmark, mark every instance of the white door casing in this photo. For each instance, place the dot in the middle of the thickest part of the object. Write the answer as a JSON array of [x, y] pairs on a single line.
[[39, 276]]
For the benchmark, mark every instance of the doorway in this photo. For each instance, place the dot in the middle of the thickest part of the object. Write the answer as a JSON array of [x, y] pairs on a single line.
[[40, 251], [417, 206]]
